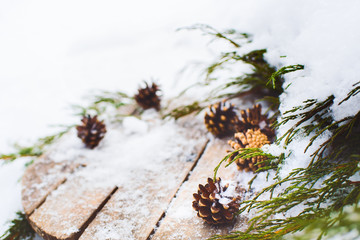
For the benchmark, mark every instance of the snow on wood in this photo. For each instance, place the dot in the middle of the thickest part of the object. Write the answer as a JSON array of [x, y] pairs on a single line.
[[135, 209], [40, 179], [67, 210], [180, 221], [122, 188]]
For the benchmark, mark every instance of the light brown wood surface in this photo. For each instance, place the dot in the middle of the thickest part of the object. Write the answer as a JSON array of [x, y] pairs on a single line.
[[176, 224], [153, 209], [143, 207], [65, 214], [34, 189]]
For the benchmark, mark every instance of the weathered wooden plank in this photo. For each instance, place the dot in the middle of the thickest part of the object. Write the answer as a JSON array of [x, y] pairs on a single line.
[[135, 209], [41, 178], [46, 174], [62, 202], [180, 221], [68, 209]]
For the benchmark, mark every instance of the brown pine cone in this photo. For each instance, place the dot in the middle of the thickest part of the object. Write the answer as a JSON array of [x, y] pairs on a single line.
[[213, 205], [147, 97], [253, 119], [251, 139], [221, 120], [91, 131]]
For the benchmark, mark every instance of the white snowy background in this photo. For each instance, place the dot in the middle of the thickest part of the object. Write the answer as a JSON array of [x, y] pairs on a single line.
[[54, 53]]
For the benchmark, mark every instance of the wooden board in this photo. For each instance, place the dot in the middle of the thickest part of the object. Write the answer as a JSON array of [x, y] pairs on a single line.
[[134, 214], [58, 208], [177, 223], [34, 190], [66, 214]]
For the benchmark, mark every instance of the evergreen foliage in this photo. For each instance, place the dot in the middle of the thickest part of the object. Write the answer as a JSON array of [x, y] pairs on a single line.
[[100, 104], [232, 36], [19, 229], [322, 189], [287, 69], [255, 83], [103, 102], [341, 224], [35, 150], [182, 111]]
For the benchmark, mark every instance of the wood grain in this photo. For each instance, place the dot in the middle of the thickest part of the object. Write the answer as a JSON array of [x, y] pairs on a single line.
[[41, 178], [135, 209], [63, 201], [178, 223], [67, 210]]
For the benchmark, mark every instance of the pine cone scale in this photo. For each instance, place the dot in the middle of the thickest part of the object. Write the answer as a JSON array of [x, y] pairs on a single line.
[[209, 208], [250, 139], [215, 209], [91, 132], [204, 212], [220, 119], [147, 97], [253, 119]]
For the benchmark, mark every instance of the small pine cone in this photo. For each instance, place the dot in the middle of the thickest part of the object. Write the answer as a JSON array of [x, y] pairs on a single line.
[[213, 205], [251, 139], [91, 131], [221, 120], [147, 97], [253, 119]]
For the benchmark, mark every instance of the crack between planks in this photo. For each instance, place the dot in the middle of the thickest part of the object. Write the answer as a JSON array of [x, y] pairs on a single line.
[[94, 214], [46, 196], [197, 159], [56, 186]]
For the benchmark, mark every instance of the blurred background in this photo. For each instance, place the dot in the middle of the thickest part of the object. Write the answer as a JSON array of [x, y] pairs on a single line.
[[54, 54]]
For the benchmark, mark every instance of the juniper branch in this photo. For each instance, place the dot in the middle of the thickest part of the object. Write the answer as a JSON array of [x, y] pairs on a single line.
[[208, 30], [19, 229], [352, 93], [283, 71], [326, 180], [35, 150]]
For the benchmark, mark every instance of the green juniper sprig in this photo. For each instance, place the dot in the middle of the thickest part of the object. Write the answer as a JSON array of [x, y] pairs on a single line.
[[35, 150], [282, 71], [19, 229], [337, 223], [321, 189], [181, 111], [245, 153], [313, 111], [352, 93], [100, 104], [254, 82], [103, 102], [264, 81], [231, 35]]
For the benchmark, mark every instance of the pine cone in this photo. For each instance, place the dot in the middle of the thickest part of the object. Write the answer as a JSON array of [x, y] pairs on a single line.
[[147, 97], [213, 205], [91, 132], [221, 119], [251, 139], [253, 119]]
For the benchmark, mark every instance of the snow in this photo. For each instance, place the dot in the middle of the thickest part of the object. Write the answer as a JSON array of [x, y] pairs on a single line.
[[227, 196], [133, 125], [163, 141], [145, 165], [10, 174], [55, 53]]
